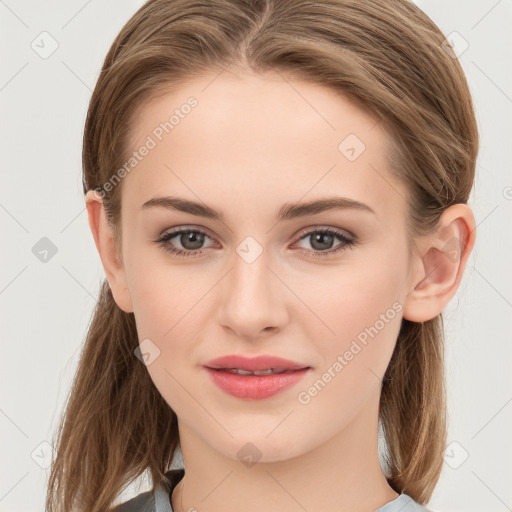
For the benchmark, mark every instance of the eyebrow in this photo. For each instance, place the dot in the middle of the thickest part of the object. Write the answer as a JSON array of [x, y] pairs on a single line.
[[287, 212]]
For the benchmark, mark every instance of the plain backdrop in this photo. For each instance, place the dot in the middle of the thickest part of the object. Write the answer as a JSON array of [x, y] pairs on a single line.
[[47, 298]]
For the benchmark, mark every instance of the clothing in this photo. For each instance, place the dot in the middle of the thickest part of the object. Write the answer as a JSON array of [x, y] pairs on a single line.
[[160, 500]]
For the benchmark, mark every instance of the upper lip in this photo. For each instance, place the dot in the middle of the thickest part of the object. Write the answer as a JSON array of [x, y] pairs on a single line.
[[263, 362]]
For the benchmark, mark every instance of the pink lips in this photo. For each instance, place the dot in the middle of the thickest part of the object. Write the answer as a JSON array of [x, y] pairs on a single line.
[[254, 386]]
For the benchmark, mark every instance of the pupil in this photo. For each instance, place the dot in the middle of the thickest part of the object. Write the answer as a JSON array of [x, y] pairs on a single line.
[[192, 241], [321, 237]]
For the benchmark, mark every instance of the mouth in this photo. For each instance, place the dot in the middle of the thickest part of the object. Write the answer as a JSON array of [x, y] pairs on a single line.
[[254, 378], [270, 371], [256, 365]]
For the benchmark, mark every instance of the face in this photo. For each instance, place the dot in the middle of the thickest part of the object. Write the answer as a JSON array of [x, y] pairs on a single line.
[[249, 280]]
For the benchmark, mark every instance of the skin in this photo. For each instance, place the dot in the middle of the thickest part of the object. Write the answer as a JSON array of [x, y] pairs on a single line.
[[252, 144]]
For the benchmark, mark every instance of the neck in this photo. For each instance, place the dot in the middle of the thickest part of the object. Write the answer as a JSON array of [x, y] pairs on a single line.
[[343, 474]]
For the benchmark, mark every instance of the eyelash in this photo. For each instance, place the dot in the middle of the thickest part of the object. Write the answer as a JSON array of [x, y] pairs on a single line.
[[348, 243]]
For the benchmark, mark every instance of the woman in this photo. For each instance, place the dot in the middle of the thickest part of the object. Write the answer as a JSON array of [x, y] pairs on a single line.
[[278, 194]]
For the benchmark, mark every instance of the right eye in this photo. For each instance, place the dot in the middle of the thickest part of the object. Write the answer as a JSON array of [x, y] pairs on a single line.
[[190, 239]]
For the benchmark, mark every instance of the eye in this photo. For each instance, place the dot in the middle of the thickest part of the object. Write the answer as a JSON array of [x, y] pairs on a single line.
[[321, 241], [190, 239]]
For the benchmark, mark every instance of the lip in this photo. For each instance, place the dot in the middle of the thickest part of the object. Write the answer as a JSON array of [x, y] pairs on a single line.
[[263, 362], [254, 387]]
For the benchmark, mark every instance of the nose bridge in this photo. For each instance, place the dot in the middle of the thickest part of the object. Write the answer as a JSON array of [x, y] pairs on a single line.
[[251, 276], [253, 300], [251, 273]]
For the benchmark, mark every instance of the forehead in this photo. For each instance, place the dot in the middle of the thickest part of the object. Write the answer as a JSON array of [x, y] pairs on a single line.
[[258, 140]]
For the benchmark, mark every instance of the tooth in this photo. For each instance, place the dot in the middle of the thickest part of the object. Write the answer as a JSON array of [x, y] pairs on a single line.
[[241, 372], [263, 372], [270, 371]]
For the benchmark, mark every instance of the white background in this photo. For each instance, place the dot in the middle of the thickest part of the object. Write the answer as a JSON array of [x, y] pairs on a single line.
[[46, 306]]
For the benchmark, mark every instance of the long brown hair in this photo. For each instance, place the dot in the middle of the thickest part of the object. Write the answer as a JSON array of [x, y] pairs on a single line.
[[391, 59]]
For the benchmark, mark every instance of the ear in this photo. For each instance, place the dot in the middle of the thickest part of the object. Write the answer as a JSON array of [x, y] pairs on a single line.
[[440, 263], [109, 253]]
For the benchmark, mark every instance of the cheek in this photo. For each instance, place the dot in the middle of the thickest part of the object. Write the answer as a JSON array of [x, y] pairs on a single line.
[[360, 308], [164, 298], [167, 303]]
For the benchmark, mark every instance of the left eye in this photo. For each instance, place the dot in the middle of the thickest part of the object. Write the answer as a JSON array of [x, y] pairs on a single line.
[[192, 239], [320, 238]]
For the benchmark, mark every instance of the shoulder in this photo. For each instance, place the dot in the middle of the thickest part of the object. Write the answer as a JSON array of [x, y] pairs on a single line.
[[143, 502], [153, 501], [403, 503]]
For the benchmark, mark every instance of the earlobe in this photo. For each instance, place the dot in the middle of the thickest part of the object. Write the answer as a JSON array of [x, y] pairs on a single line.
[[440, 265], [104, 240]]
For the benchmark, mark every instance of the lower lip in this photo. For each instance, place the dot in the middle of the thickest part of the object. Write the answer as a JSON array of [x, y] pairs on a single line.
[[255, 387]]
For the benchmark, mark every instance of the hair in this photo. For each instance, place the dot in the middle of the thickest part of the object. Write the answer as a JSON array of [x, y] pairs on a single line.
[[389, 58]]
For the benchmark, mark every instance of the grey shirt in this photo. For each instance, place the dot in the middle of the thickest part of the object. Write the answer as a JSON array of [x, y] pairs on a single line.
[[160, 499]]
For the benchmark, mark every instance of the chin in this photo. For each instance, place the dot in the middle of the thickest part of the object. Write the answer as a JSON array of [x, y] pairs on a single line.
[[260, 448]]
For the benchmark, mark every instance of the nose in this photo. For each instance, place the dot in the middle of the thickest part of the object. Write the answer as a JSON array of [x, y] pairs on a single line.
[[253, 299]]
